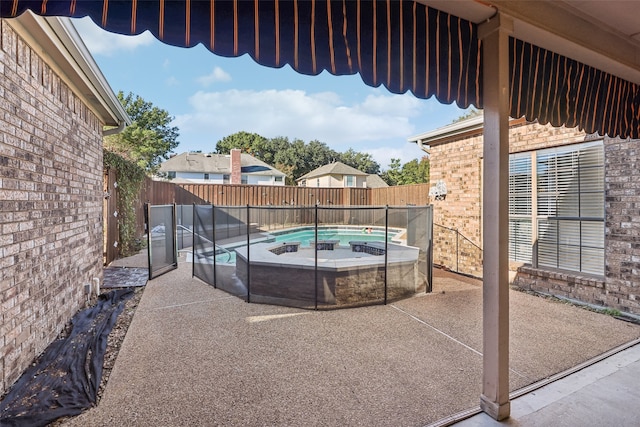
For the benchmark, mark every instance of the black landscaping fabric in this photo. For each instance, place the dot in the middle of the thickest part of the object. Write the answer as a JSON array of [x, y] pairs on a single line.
[[65, 379]]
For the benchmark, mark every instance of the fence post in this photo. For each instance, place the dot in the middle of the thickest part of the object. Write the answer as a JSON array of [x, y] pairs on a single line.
[[386, 249], [193, 244], [430, 249], [315, 251], [248, 256], [147, 211], [213, 231]]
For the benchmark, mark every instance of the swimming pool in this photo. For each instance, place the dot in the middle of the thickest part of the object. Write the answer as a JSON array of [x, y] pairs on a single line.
[[306, 235], [343, 235]]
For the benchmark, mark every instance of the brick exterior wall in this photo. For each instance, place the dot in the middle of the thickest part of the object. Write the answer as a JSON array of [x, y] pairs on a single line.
[[458, 162], [622, 224], [457, 219], [51, 203]]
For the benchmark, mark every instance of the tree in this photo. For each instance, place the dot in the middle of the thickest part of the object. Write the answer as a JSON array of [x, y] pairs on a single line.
[[295, 158], [392, 175], [250, 143], [412, 172], [317, 154], [360, 161], [149, 139], [415, 172]]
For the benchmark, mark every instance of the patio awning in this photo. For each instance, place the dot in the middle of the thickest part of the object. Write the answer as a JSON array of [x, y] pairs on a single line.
[[401, 45]]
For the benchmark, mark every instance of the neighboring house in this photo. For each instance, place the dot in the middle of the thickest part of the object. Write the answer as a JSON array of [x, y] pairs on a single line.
[[54, 103], [234, 168], [337, 174], [572, 207]]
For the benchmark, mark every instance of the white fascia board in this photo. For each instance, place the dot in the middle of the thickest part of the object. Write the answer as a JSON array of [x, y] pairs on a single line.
[[457, 128]]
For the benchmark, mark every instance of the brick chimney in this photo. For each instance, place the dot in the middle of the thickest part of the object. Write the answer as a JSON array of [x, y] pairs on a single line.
[[236, 173]]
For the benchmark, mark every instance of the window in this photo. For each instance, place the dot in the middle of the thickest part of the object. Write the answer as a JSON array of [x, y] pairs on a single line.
[[171, 174], [349, 181], [206, 176], [520, 207], [278, 179], [559, 221], [318, 182], [244, 179], [225, 179]]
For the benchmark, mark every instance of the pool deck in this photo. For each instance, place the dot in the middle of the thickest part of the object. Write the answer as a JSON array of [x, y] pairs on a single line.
[[195, 355]]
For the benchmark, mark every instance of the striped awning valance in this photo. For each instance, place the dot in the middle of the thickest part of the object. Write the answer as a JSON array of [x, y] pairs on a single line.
[[554, 89], [400, 44]]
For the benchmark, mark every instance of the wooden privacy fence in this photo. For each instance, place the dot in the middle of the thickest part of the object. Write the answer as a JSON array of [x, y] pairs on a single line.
[[263, 195], [162, 193]]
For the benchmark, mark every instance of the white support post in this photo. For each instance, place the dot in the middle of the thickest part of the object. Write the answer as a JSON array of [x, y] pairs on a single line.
[[495, 378]]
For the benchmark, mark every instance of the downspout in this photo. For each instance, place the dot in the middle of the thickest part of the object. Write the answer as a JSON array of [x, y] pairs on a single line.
[[425, 148], [121, 125]]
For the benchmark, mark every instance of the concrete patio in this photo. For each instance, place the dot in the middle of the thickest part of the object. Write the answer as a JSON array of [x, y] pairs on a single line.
[[195, 355]]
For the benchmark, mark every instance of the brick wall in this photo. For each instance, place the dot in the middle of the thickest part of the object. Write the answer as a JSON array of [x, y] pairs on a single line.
[[51, 204], [457, 218], [622, 224], [458, 163]]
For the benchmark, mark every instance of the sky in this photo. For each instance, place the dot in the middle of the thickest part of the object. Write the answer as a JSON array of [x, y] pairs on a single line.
[[211, 97]]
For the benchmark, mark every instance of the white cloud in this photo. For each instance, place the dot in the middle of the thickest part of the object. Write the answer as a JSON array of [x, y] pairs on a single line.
[[217, 75], [297, 114], [101, 42]]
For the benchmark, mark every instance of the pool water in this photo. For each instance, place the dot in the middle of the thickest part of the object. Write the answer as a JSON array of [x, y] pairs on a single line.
[[305, 237]]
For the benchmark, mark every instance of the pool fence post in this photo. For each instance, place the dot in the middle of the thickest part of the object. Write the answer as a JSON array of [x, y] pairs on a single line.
[[147, 218], [213, 229], [386, 249], [315, 251], [193, 238], [248, 256], [174, 224]]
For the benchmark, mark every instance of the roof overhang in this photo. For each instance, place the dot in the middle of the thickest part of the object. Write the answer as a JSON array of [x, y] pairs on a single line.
[[454, 131], [59, 44]]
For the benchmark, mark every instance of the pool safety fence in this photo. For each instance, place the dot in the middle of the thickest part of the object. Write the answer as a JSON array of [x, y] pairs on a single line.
[[161, 227], [311, 256]]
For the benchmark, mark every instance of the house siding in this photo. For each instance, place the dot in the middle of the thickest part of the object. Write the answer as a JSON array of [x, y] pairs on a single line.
[[51, 199], [458, 162], [334, 181]]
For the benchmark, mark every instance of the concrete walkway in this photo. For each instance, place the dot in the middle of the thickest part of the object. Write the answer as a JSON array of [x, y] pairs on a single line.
[[195, 355], [603, 394]]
